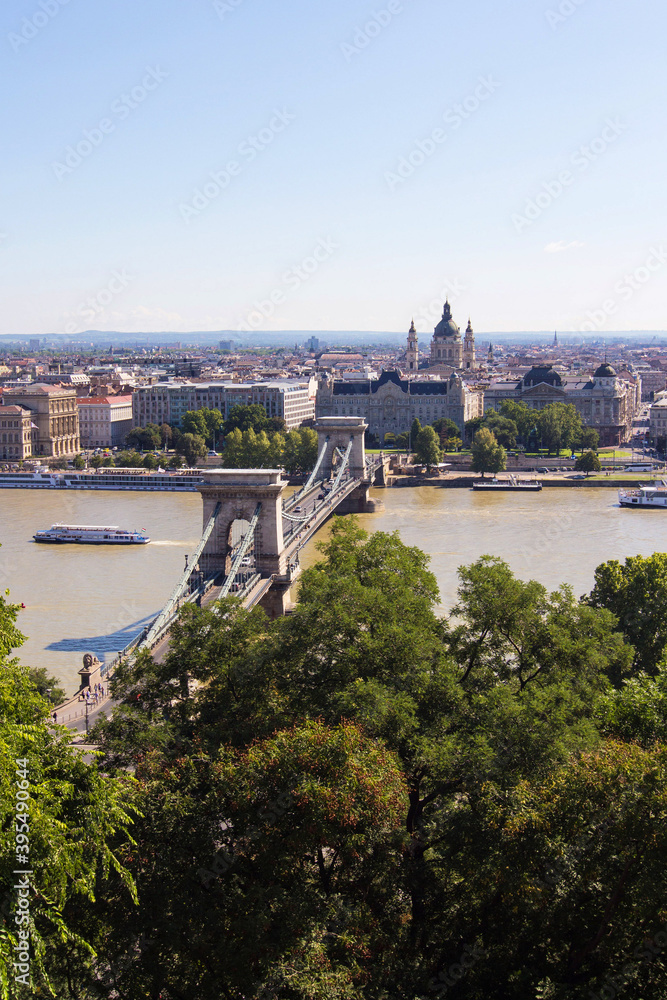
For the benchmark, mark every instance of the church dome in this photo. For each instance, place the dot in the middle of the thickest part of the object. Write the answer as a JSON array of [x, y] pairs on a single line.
[[447, 327], [605, 371]]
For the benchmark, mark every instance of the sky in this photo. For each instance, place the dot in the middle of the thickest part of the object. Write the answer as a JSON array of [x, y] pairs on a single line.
[[248, 165]]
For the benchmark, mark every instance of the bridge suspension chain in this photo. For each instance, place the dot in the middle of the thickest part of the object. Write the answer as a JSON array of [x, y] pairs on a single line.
[[311, 479], [238, 559], [179, 589], [343, 466]]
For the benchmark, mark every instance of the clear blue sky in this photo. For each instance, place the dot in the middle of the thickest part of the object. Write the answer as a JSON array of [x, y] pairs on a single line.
[[335, 96]]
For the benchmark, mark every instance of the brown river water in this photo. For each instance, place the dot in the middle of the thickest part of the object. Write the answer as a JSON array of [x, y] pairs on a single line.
[[96, 598]]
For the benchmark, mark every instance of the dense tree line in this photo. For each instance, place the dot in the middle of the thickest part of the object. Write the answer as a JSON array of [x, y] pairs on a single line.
[[554, 427], [363, 799]]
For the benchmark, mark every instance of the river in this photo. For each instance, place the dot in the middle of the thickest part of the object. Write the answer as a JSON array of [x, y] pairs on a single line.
[[96, 598]]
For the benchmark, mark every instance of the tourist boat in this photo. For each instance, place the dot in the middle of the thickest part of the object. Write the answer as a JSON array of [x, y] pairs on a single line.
[[644, 496], [510, 484], [91, 534], [105, 479]]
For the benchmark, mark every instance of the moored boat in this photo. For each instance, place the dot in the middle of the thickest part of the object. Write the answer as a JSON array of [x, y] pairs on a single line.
[[91, 534], [644, 496], [511, 484]]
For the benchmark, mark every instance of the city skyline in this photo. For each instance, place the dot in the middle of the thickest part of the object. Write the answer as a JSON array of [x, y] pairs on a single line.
[[239, 168]]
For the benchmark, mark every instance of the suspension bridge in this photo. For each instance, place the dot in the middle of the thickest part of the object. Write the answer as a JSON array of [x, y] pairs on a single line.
[[253, 533]]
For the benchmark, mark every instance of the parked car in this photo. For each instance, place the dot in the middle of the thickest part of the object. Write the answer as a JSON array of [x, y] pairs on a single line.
[[543, 469]]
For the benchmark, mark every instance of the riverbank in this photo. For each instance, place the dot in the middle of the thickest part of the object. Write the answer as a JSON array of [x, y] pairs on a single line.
[[466, 482]]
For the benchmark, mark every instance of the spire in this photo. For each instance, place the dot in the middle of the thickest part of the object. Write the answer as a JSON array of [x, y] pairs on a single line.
[[555, 338], [447, 310], [469, 327], [412, 327]]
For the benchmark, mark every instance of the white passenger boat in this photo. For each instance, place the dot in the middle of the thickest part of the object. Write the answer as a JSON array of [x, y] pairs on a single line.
[[644, 496], [91, 534], [104, 479]]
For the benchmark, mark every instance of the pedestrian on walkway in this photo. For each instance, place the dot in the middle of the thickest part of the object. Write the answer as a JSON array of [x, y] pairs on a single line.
[[55, 717]]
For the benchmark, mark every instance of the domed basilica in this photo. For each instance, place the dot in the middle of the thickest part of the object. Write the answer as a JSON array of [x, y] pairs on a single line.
[[448, 348]]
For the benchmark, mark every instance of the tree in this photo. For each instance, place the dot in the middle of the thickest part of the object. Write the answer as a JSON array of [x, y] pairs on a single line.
[[588, 462], [47, 686], [205, 423], [522, 416], [445, 429], [69, 825], [146, 438], [300, 451], [246, 417], [192, 447], [472, 426], [503, 429], [588, 440], [166, 435], [150, 462], [129, 460], [96, 461], [415, 428], [176, 462], [80, 462], [636, 593], [559, 425], [427, 448], [487, 454], [232, 455]]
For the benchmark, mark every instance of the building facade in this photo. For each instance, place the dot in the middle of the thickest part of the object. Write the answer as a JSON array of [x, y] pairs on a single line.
[[603, 401], [16, 433], [391, 403], [55, 413], [166, 403], [104, 421]]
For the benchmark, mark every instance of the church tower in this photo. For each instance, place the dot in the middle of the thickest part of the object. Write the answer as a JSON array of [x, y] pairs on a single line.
[[469, 348], [489, 356], [447, 346], [412, 353]]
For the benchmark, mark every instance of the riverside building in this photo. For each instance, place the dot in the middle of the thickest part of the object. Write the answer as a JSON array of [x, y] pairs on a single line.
[[391, 403], [55, 414], [104, 421], [16, 433], [166, 402], [603, 401]]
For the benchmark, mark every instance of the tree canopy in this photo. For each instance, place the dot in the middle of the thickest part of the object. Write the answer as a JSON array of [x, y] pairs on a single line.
[[487, 454], [368, 799]]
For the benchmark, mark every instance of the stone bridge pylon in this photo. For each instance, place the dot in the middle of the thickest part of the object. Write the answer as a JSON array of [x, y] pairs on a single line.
[[239, 491]]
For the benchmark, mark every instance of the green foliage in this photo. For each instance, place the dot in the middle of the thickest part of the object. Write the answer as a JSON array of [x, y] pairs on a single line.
[[636, 593], [80, 462], [522, 416], [367, 800], [588, 440], [204, 423], [48, 687], [146, 438], [588, 462], [77, 828], [427, 447], [445, 429], [245, 418], [296, 452], [487, 454], [559, 426], [503, 429], [192, 447]]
